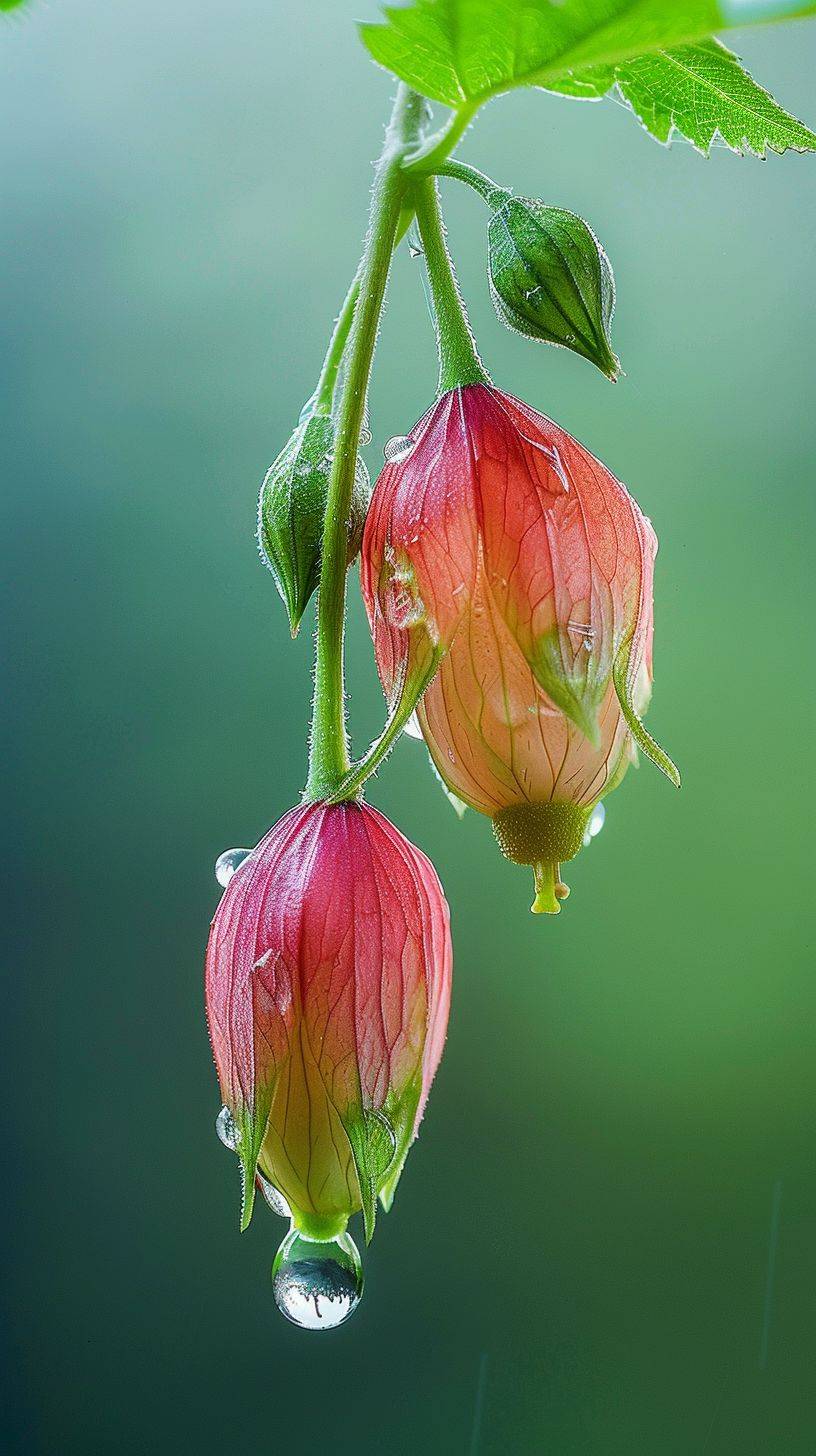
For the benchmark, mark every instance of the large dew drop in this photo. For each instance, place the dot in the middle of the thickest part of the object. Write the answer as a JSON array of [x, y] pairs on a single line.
[[226, 1129], [227, 863], [317, 1286]]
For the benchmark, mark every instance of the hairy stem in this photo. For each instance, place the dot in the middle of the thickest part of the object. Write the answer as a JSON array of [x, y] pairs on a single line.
[[438, 147], [459, 362], [324, 393], [328, 749], [479, 181]]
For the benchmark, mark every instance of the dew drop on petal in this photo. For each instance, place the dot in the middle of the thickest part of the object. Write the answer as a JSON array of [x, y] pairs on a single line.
[[227, 1130], [227, 863], [317, 1286], [398, 448], [596, 823], [412, 728], [276, 1200]]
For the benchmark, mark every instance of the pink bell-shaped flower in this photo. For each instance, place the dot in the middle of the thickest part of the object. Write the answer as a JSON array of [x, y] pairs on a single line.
[[500, 552]]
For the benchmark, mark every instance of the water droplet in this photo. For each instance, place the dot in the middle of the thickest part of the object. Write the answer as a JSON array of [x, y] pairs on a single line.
[[227, 863], [596, 823], [276, 1200], [382, 1142], [227, 1129], [412, 728], [414, 251], [398, 448], [317, 1286]]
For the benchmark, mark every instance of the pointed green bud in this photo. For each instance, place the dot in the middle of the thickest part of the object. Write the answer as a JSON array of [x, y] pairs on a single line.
[[551, 279], [292, 508]]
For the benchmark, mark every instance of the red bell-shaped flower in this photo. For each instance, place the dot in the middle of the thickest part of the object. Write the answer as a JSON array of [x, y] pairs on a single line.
[[498, 548], [328, 981]]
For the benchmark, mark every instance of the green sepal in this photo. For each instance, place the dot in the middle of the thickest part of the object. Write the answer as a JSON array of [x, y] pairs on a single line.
[[402, 1115], [251, 1129], [373, 1144], [641, 735], [581, 707], [292, 508], [551, 279]]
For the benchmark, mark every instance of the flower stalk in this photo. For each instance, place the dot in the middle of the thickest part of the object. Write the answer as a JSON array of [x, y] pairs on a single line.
[[459, 362], [328, 748]]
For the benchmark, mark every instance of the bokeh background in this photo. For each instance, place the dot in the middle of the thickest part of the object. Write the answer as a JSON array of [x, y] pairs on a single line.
[[604, 1239]]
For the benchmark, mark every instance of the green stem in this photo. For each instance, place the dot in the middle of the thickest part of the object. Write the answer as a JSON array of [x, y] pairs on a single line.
[[479, 181], [441, 144], [328, 749], [459, 362], [323, 396], [381, 747], [324, 393]]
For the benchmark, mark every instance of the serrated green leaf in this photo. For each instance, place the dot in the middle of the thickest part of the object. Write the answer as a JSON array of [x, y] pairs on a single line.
[[461, 52], [703, 92]]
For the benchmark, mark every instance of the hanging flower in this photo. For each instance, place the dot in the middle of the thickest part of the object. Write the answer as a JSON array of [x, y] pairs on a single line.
[[499, 548], [328, 981]]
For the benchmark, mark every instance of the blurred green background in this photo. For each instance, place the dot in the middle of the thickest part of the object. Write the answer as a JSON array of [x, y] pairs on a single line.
[[578, 1259]]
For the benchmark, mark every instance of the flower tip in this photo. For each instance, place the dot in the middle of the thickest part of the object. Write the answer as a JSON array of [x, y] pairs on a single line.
[[550, 890]]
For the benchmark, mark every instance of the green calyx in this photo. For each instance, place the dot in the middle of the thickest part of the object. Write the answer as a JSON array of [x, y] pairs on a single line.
[[551, 279], [292, 509], [380, 1139], [544, 836], [320, 1228]]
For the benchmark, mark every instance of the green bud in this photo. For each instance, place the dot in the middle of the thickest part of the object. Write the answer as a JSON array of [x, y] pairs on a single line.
[[292, 508], [551, 279]]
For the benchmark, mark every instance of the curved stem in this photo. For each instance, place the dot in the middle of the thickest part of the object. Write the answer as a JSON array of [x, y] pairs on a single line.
[[438, 147], [381, 747], [328, 747], [479, 181], [459, 362]]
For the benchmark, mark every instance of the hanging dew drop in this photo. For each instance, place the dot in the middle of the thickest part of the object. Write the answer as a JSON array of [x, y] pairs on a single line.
[[227, 863], [317, 1286], [597, 819], [276, 1200], [227, 1129], [398, 448]]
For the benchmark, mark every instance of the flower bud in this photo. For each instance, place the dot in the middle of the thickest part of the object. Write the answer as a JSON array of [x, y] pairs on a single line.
[[292, 508], [551, 279], [531, 570], [328, 985]]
